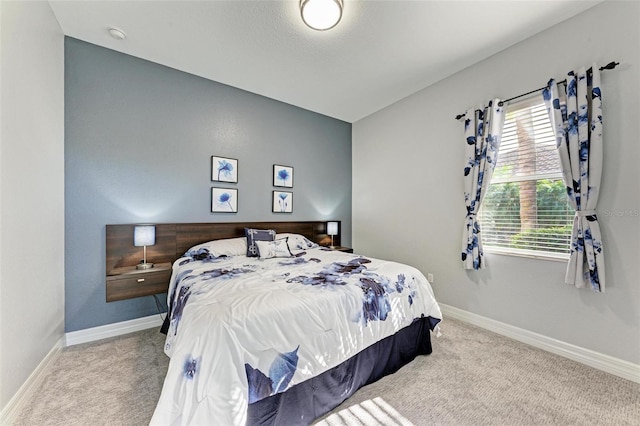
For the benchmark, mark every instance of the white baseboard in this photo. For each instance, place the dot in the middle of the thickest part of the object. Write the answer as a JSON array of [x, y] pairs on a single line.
[[112, 330], [16, 403], [625, 369]]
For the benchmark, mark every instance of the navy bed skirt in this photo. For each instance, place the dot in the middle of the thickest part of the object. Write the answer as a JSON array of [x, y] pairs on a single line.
[[306, 401]]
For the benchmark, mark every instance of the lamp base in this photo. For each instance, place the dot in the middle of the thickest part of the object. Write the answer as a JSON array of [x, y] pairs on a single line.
[[144, 266]]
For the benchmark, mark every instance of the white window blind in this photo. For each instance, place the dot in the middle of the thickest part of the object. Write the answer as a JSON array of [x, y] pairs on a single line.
[[526, 210]]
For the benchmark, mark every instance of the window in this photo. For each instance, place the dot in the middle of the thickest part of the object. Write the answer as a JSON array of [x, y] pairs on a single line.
[[526, 210]]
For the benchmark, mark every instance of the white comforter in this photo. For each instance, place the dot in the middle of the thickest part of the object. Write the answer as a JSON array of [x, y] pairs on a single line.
[[245, 328]]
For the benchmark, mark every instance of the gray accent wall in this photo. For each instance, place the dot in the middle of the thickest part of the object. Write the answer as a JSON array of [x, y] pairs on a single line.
[[424, 226], [138, 144]]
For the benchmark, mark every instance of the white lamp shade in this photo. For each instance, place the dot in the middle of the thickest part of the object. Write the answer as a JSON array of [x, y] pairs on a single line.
[[144, 235], [332, 228], [321, 14]]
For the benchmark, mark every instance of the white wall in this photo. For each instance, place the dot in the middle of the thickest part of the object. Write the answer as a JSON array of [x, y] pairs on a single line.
[[32, 190], [407, 187]]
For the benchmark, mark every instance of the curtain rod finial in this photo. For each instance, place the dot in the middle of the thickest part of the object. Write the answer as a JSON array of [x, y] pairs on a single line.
[[611, 65]]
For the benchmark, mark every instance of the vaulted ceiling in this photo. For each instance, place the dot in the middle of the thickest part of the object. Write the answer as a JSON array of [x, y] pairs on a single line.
[[380, 52]]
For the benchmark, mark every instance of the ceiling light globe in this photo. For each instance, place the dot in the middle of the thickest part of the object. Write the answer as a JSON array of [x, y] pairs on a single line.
[[321, 14]]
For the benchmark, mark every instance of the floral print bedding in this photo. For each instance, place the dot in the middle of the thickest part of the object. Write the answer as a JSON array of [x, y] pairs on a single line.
[[242, 329]]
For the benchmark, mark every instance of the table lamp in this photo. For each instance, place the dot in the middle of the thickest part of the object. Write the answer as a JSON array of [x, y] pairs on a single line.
[[332, 229], [144, 235]]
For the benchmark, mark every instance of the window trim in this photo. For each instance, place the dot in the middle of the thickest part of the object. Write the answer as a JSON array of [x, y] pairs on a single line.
[[529, 254]]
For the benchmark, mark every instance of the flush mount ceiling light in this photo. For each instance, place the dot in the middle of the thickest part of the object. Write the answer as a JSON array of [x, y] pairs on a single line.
[[321, 14]]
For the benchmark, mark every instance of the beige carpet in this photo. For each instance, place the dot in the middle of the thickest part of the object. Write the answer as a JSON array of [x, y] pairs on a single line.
[[473, 377], [372, 412]]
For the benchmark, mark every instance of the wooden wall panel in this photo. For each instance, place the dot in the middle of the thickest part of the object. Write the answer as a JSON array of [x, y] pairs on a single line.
[[174, 239]]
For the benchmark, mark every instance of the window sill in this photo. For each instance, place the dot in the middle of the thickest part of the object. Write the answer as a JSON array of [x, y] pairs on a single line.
[[531, 254]]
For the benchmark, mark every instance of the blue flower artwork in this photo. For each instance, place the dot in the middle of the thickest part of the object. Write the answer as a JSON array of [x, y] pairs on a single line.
[[282, 202], [224, 200], [282, 176], [224, 169]]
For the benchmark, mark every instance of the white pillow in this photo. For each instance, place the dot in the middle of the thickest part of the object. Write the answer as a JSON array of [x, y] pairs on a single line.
[[225, 247], [277, 248], [297, 242]]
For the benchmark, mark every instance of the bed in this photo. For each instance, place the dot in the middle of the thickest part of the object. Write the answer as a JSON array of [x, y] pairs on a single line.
[[271, 328]]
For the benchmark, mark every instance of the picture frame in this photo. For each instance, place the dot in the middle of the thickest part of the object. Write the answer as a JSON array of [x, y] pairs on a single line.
[[282, 176], [224, 200], [282, 202], [224, 169]]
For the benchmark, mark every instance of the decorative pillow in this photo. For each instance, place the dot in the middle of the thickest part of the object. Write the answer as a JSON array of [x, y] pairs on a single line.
[[225, 247], [254, 235], [277, 248], [297, 242]]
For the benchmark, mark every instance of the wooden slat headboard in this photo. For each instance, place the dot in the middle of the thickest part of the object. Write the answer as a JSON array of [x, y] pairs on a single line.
[[174, 239]]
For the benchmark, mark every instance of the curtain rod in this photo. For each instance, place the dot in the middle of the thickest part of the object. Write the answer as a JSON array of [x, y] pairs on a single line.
[[609, 66]]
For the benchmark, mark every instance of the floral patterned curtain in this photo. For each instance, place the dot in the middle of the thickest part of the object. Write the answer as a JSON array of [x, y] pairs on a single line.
[[576, 117], [482, 134]]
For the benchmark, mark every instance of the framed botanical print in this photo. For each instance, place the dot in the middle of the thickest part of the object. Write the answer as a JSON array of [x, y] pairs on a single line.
[[224, 200], [282, 176], [282, 202], [224, 169]]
